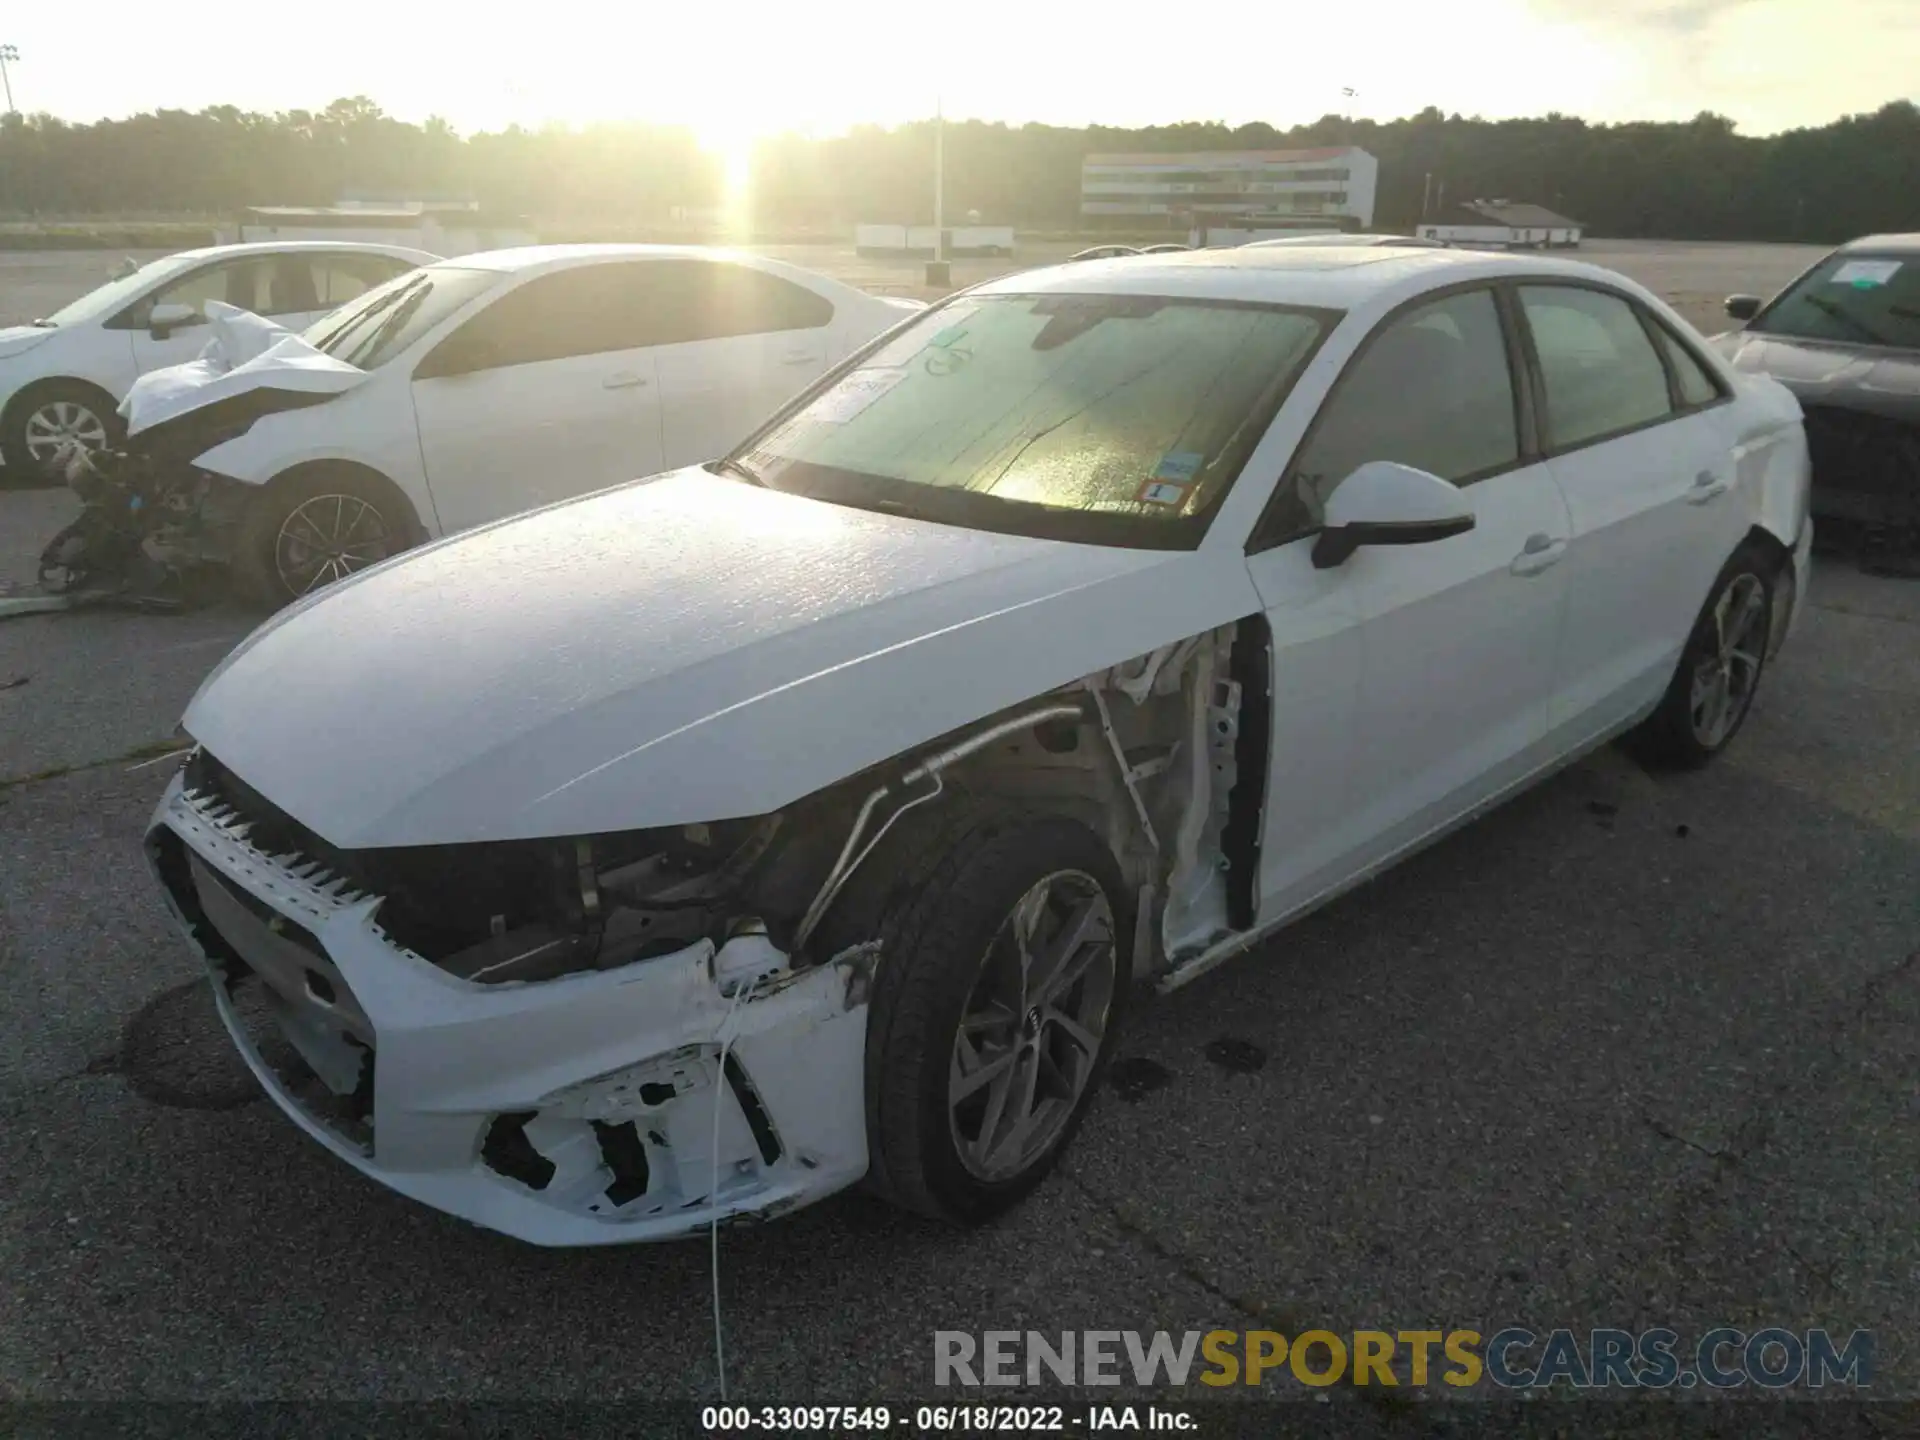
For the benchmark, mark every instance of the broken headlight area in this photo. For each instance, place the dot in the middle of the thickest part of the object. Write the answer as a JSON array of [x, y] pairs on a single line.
[[516, 911]]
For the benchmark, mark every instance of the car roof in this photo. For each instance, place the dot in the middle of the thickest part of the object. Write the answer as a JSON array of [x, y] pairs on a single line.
[[1334, 238], [1331, 276], [557, 257], [281, 247], [1908, 244], [534, 259]]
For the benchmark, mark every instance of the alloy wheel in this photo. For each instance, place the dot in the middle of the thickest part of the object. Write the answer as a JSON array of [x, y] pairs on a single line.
[[327, 538], [1031, 1028], [57, 428], [1726, 674]]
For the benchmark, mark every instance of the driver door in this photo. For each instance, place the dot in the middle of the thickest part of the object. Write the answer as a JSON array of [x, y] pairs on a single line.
[[1429, 668]]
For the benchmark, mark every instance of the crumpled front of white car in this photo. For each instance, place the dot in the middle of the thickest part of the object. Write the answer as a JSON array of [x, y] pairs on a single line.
[[564, 1088]]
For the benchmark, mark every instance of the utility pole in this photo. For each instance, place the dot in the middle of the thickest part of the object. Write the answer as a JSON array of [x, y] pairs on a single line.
[[1426, 195], [7, 53], [939, 179]]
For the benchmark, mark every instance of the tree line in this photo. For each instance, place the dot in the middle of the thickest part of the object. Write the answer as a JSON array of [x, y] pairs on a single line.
[[1696, 179]]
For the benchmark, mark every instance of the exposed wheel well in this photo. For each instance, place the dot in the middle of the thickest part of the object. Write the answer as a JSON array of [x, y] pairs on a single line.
[[1766, 540]]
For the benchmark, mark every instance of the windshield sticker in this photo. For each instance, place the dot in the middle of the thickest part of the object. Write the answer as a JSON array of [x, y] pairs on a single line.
[[948, 337], [1179, 466], [1163, 492], [853, 395], [1865, 274]]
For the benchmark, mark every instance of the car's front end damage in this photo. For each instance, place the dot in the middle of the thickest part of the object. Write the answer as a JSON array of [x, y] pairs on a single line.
[[463, 972], [553, 1083], [156, 529], [610, 1038]]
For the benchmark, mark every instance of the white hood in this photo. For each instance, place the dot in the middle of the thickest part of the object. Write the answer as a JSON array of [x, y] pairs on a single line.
[[684, 649], [247, 352]]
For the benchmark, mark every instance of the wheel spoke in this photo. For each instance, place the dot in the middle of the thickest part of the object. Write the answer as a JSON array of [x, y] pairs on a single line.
[[1017, 1110], [1076, 1032], [998, 1094], [965, 1082], [1067, 955], [996, 1018], [1741, 625]]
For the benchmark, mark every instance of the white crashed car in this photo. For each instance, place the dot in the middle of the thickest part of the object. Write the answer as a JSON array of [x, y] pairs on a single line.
[[497, 382], [63, 377], [826, 802]]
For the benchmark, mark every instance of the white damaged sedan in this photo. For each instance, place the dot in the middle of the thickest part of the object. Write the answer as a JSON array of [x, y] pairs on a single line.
[[695, 849]]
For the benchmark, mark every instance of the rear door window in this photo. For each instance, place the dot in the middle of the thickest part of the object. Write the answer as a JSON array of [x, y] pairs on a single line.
[[587, 310], [713, 300], [1601, 374]]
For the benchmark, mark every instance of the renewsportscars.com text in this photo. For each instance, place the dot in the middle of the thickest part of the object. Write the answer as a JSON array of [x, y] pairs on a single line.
[[1513, 1358]]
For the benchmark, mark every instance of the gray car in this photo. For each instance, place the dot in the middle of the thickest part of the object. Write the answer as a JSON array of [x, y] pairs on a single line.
[[1845, 338]]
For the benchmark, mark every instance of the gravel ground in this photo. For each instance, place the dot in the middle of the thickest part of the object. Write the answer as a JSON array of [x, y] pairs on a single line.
[[1633, 1050]]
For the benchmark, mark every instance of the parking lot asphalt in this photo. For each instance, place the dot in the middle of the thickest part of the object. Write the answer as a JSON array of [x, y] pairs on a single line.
[[1634, 1050]]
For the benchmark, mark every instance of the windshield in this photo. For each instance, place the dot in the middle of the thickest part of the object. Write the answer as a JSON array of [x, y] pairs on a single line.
[[112, 296], [1863, 299], [373, 328], [1111, 419]]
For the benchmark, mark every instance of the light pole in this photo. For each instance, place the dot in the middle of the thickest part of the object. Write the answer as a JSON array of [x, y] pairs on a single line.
[[7, 53], [937, 271]]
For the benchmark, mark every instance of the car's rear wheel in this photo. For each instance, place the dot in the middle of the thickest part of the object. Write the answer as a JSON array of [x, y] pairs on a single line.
[[1719, 673], [50, 422], [1002, 981], [317, 525]]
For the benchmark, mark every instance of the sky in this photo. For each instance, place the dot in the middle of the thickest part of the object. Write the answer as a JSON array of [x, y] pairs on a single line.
[[735, 69]]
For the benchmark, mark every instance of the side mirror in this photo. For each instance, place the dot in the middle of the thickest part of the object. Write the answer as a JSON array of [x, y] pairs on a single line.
[[166, 318], [1386, 503], [1743, 307]]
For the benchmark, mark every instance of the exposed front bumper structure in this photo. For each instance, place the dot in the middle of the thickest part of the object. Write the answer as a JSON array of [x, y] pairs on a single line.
[[576, 1111]]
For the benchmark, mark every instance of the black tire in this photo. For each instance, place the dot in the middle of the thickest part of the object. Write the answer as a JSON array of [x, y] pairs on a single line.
[[1674, 736], [24, 469], [941, 933], [271, 552]]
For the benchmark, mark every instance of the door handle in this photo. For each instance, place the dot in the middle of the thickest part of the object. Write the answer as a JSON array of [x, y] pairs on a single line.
[[1541, 552], [1707, 486], [623, 380], [800, 357]]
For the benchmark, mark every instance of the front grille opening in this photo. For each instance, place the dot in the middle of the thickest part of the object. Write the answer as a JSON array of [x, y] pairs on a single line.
[[507, 1151]]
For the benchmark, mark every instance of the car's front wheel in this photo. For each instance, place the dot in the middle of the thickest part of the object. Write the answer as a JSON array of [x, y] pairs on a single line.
[[50, 422], [316, 525], [1001, 984], [1713, 687]]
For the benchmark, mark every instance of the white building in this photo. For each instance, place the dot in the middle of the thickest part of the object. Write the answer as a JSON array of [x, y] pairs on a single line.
[[1504, 225], [1184, 188], [442, 227]]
